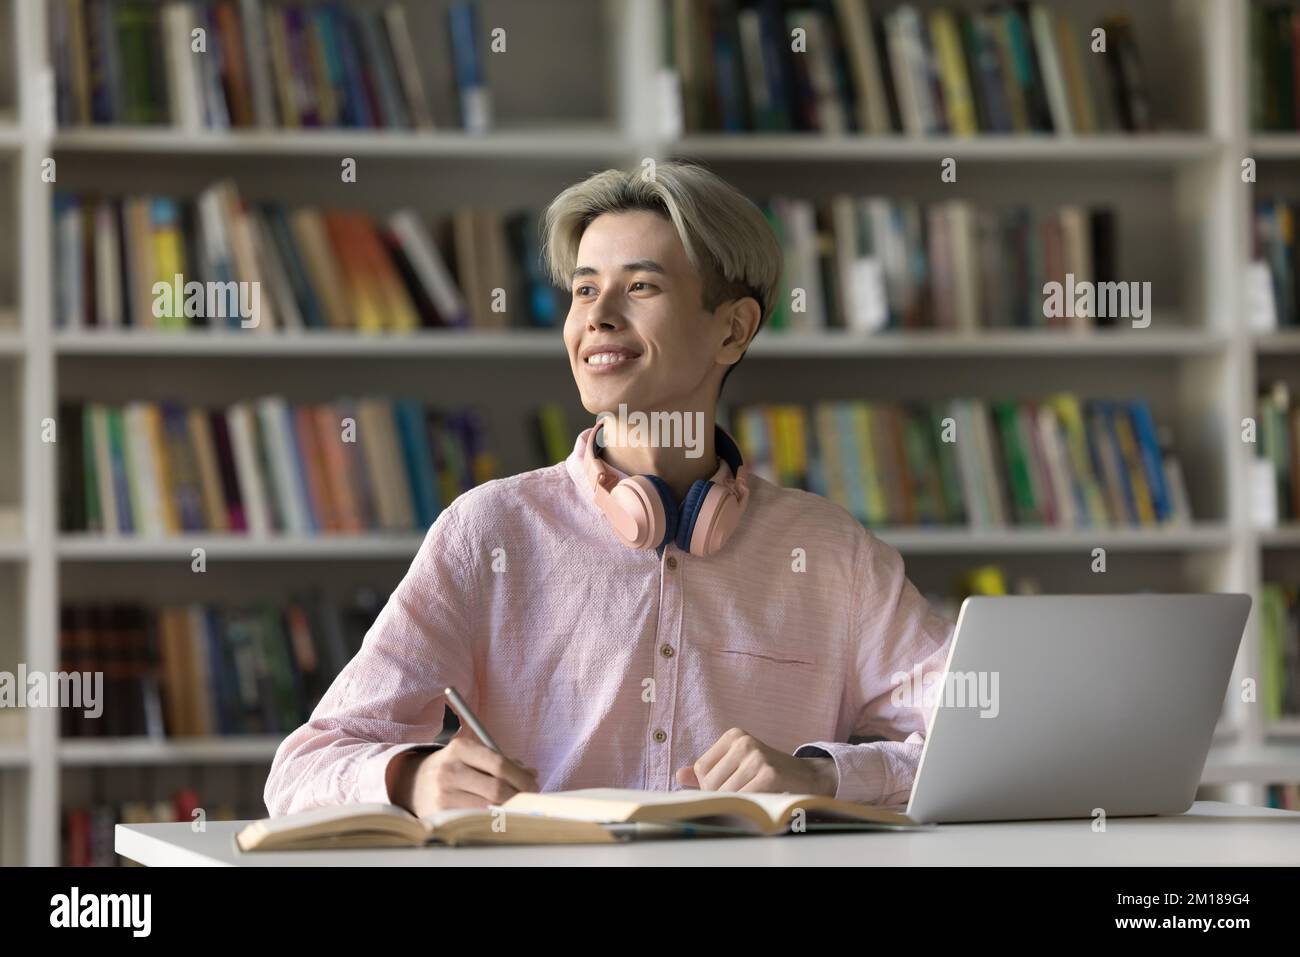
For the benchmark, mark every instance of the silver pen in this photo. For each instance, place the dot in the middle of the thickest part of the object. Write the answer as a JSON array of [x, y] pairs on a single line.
[[466, 715]]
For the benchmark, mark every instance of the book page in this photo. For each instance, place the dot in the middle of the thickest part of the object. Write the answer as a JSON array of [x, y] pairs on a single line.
[[774, 805], [636, 796], [438, 819], [330, 815]]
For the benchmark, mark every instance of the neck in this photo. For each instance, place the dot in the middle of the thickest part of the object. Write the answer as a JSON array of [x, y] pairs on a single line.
[[677, 446]]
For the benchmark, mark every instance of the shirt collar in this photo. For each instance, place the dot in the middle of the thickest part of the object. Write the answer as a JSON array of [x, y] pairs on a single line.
[[576, 463]]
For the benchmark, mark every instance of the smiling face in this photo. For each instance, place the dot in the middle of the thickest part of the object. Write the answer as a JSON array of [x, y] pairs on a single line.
[[637, 330]]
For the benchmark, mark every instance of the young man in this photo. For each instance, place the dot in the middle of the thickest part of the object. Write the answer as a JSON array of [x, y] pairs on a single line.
[[753, 630]]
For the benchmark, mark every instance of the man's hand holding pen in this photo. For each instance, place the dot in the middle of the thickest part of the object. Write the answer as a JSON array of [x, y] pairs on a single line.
[[470, 771], [464, 774]]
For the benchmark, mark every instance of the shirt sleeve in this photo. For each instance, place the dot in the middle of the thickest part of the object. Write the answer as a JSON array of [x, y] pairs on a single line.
[[895, 632], [389, 697]]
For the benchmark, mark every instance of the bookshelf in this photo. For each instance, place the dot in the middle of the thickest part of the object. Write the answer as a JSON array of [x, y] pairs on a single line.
[[1186, 228]]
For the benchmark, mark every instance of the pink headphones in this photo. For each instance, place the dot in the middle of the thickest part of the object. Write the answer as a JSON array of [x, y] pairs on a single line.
[[645, 515]]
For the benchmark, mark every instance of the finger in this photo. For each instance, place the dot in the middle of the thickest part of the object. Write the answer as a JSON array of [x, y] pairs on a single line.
[[709, 758], [492, 789], [686, 778], [723, 770], [457, 798], [482, 758], [744, 773]]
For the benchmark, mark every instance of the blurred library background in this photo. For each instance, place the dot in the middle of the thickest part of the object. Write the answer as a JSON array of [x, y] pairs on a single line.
[[378, 168]]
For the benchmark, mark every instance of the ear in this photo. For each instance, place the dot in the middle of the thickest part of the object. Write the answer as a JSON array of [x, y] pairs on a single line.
[[742, 316]]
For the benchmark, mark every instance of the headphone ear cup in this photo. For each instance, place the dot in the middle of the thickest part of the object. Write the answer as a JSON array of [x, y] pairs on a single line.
[[699, 490], [642, 502], [714, 520], [668, 504]]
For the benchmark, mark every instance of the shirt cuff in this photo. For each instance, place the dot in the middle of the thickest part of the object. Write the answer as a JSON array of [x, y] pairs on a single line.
[[860, 767], [372, 786]]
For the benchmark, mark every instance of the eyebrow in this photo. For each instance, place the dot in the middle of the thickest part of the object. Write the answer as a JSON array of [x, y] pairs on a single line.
[[641, 265]]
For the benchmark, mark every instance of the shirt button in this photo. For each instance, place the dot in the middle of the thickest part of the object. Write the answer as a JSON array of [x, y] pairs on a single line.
[[671, 563], [660, 735], [666, 651]]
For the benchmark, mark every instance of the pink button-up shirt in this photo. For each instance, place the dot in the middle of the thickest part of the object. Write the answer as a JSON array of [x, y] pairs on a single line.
[[604, 666]]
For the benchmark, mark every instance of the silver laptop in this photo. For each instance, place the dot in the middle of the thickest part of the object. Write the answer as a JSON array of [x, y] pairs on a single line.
[[1054, 706]]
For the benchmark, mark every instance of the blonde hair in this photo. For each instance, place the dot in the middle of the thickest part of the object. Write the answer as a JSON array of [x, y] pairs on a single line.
[[726, 237]]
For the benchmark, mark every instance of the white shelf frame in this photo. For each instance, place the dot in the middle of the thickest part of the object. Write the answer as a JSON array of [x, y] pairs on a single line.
[[1155, 149], [13, 756], [87, 547], [131, 752], [579, 142], [38, 402], [545, 344], [1285, 727], [1242, 752]]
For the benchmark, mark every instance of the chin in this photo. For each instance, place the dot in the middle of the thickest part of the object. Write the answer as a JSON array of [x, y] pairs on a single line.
[[600, 400], [596, 405]]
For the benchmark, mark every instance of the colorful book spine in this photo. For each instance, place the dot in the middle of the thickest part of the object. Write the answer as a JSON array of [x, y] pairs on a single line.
[[266, 466], [188, 264], [1060, 462]]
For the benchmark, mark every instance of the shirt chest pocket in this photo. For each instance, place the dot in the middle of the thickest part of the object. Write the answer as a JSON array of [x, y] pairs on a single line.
[[748, 652], [769, 686]]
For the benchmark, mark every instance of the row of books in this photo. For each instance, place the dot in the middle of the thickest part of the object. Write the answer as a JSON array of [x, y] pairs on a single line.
[[195, 670], [863, 263], [1274, 244], [1277, 442], [1274, 70], [1279, 652], [221, 64], [838, 66], [87, 830], [218, 261], [1059, 462], [1285, 796], [871, 263], [265, 466]]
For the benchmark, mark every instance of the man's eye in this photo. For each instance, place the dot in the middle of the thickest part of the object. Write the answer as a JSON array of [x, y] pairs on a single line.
[[644, 284], [581, 290]]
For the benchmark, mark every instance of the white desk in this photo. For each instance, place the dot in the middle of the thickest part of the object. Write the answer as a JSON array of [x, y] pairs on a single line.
[[1211, 833]]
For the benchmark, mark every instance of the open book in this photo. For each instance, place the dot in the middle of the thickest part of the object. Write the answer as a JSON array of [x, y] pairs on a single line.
[[591, 816]]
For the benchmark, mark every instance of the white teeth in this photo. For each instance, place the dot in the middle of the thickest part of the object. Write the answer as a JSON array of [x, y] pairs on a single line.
[[606, 358]]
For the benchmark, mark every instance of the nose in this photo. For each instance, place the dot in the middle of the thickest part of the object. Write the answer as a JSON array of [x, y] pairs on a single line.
[[604, 312]]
